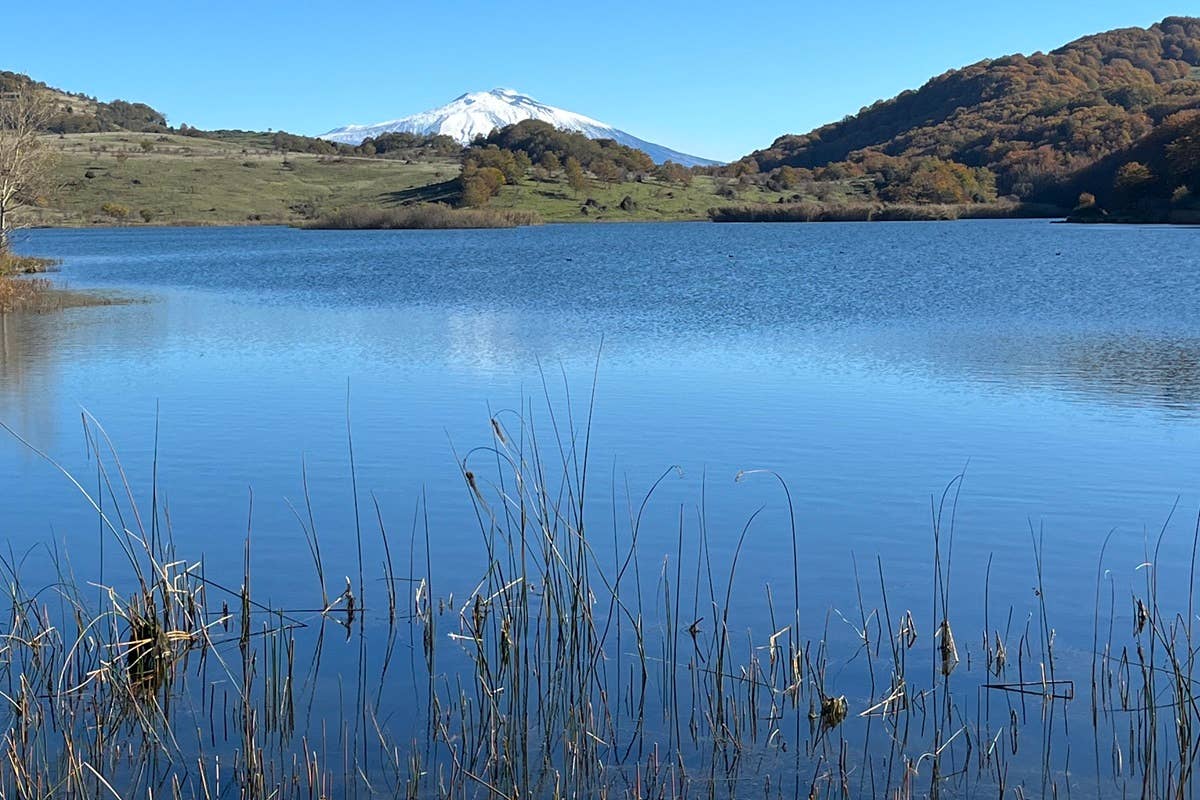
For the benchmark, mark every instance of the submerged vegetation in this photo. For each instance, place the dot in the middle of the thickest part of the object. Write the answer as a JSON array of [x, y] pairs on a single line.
[[562, 668]]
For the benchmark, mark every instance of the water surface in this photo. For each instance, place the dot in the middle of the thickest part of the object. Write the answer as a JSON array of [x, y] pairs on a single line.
[[1059, 366]]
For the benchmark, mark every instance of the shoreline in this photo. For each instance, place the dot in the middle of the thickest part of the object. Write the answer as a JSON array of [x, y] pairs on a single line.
[[1064, 218], [546, 223]]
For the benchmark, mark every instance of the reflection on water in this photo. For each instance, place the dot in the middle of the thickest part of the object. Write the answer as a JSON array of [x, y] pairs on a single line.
[[26, 373], [1131, 369], [1030, 350], [1164, 372], [999, 302], [1121, 368]]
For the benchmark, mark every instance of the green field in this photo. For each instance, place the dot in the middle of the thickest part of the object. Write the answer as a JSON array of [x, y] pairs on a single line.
[[187, 180], [136, 179], [555, 201]]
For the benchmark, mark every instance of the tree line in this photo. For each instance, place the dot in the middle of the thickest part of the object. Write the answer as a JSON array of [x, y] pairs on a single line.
[[508, 154]]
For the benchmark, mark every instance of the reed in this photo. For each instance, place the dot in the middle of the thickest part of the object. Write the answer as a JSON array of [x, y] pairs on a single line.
[[567, 667], [20, 292], [422, 216]]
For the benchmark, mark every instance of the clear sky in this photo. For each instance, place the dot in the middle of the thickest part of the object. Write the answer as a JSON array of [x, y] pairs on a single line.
[[715, 79]]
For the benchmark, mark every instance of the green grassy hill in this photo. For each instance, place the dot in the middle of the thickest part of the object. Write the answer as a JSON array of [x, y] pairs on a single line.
[[133, 178], [170, 179]]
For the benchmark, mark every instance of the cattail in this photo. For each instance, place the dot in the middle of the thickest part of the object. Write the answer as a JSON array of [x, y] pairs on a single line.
[[470, 476], [833, 711], [349, 595], [947, 648], [1140, 615]]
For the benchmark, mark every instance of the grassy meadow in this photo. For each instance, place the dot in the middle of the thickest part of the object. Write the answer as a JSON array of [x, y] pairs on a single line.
[[655, 200], [123, 178], [132, 178]]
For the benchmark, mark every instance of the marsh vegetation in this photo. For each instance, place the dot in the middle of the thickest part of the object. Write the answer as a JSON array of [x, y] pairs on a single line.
[[564, 668]]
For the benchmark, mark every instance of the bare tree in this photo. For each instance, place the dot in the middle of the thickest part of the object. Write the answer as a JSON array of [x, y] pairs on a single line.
[[26, 163]]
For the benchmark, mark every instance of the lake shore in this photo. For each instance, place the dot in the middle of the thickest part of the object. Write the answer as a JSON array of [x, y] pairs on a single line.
[[396, 219], [1176, 217]]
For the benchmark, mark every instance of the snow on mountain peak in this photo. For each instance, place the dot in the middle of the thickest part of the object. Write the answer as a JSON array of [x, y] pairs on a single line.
[[479, 113]]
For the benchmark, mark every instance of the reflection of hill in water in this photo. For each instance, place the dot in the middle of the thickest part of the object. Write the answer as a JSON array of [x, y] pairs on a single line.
[[37, 350], [1165, 373], [1103, 312], [27, 372], [1136, 369]]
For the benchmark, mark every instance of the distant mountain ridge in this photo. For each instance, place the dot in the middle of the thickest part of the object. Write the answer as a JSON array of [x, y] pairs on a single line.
[[1031, 120], [479, 113]]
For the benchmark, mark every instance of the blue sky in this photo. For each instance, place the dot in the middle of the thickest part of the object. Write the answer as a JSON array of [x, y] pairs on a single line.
[[716, 79]]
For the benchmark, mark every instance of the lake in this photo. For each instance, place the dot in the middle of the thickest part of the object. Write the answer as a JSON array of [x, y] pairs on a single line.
[[1055, 367]]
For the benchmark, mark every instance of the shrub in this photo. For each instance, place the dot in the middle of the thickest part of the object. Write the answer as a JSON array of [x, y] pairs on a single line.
[[115, 210]]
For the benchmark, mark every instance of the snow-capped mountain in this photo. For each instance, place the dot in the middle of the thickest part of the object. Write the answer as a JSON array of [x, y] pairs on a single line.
[[479, 113]]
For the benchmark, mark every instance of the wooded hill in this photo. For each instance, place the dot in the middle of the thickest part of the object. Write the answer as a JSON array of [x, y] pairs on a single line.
[[80, 113], [1041, 126]]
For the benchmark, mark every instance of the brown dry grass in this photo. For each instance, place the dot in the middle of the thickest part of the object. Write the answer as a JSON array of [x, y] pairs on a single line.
[[424, 216], [20, 293]]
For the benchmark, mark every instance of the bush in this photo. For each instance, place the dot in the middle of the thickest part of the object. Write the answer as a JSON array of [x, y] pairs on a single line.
[[115, 210]]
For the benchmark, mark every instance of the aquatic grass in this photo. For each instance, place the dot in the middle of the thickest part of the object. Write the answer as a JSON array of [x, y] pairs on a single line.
[[42, 296], [20, 292], [13, 264]]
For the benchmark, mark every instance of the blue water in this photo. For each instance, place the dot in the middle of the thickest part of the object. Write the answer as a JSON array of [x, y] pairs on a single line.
[[867, 364], [1059, 366]]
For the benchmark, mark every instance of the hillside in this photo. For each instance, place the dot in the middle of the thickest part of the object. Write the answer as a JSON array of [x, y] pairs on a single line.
[[1155, 180], [237, 178], [131, 178], [79, 113], [1033, 122]]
